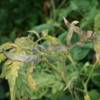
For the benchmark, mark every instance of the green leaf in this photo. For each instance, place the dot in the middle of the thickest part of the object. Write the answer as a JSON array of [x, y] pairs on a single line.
[[62, 37], [43, 27], [96, 77], [94, 95], [64, 97], [78, 53]]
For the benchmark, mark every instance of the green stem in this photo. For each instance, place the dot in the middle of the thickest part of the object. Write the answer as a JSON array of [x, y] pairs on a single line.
[[53, 9], [90, 74], [72, 61]]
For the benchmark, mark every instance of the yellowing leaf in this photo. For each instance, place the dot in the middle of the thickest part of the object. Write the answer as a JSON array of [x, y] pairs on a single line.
[[2, 57], [97, 49], [87, 97], [11, 76]]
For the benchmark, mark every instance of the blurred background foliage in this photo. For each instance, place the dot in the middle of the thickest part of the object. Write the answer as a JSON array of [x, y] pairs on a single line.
[[17, 17]]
